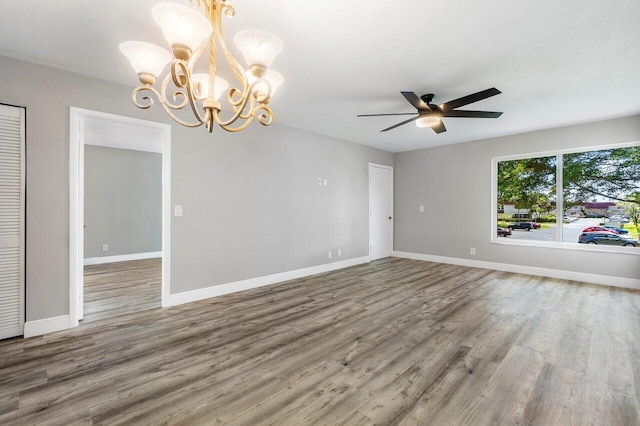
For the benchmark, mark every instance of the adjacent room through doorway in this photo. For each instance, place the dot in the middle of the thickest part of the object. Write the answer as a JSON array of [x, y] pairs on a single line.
[[122, 230]]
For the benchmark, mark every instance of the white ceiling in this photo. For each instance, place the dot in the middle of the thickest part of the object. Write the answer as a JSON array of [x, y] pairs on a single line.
[[556, 62]]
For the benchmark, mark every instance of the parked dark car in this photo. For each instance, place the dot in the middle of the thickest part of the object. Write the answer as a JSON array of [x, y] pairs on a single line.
[[527, 226], [607, 238], [615, 229], [504, 232]]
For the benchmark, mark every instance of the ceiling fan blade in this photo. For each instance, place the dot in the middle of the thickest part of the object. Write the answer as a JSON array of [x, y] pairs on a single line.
[[401, 124], [380, 115], [472, 114], [439, 128], [416, 101], [469, 99]]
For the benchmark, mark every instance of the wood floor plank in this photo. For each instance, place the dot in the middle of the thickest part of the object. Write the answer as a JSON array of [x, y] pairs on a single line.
[[118, 288], [394, 341]]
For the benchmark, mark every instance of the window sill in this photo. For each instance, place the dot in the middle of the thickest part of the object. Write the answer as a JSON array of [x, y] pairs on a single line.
[[631, 251]]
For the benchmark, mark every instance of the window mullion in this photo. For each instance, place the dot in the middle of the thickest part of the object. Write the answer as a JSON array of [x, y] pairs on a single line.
[[559, 198]]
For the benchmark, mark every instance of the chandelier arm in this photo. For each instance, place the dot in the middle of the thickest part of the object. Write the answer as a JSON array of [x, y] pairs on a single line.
[[240, 104], [266, 118], [256, 97], [228, 12], [148, 101], [176, 95], [187, 84], [227, 125], [182, 81], [223, 8], [239, 107], [249, 96], [196, 55], [165, 104], [178, 120]]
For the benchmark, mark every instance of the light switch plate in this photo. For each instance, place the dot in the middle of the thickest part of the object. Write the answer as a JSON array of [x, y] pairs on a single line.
[[178, 211]]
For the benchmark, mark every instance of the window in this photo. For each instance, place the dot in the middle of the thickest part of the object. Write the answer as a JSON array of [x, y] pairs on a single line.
[[599, 195], [526, 193]]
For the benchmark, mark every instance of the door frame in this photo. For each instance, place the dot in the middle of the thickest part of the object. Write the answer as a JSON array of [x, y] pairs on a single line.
[[76, 202], [390, 168]]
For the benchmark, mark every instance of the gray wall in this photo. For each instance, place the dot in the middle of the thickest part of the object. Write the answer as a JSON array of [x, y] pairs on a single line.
[[454, 184], [251, 201], [252, 205], [122, 201]]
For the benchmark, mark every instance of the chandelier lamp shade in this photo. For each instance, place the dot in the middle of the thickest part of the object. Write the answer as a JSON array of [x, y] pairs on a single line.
[[190, 34]]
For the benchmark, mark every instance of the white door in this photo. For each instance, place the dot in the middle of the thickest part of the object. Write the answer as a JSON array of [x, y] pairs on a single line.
[[380, 211], [11, 221]]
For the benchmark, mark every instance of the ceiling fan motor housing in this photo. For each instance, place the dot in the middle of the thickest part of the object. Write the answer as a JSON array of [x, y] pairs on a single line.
[[427, 98]]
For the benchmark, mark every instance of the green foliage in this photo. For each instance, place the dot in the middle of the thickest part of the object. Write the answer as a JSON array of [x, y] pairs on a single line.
[[546, 219], [529, 183], [633, 211], [612, 174], [609, 173]]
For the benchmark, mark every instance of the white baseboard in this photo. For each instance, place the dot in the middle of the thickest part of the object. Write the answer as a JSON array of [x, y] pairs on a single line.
[[46, 325], [529, 270], [219, 290], [121, 258]]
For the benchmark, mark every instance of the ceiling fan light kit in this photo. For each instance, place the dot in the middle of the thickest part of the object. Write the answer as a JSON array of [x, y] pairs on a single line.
[[429, 115], [427, 121], [191, 34]]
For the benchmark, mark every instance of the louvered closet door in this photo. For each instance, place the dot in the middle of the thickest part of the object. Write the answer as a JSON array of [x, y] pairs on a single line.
[[11, 221]]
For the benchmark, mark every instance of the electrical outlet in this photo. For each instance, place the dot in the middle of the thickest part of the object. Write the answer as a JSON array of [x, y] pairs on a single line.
[[330, 255], [105, 247], [472, 251], [178, 211], [421, 209], [339, 252], [325, 182]]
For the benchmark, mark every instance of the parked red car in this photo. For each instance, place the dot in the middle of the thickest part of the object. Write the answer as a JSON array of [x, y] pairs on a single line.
[[535, 225], [600, 229]]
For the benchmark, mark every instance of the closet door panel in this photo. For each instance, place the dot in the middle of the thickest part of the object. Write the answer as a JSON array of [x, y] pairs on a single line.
[[11, 221]]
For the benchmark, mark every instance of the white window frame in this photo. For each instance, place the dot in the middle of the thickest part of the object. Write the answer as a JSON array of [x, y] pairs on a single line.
[[559, 202]]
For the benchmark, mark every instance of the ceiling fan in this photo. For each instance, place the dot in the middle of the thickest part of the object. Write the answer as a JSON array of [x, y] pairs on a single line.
[[430, 115]]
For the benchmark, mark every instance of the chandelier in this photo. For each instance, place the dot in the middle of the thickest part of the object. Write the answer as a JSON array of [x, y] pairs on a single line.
[[190, 34]]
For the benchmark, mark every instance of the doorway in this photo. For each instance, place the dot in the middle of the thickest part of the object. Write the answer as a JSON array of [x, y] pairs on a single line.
[[380, 211], [117, 136]]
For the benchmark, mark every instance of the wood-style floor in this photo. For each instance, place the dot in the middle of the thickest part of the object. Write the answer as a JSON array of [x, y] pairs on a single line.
[[120, 288], [391, 342]]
